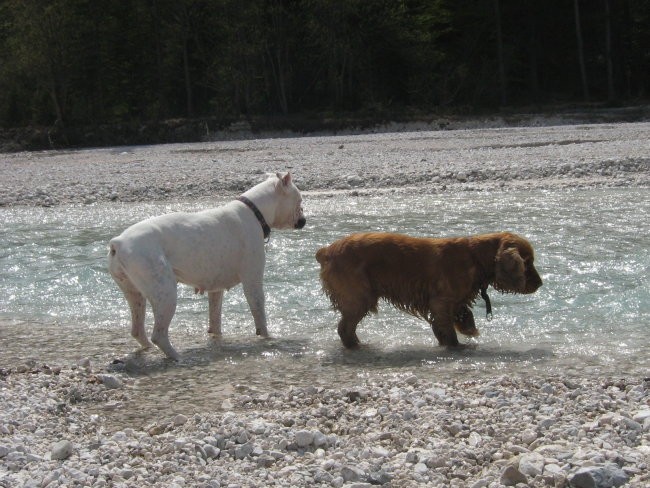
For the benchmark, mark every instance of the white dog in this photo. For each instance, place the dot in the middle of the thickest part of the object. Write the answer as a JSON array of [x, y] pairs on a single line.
[[212, 251]]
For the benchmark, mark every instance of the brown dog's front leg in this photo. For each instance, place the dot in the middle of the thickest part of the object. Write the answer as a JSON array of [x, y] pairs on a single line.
[[442, 324], [464, 322], [349, 339], [446, 336]]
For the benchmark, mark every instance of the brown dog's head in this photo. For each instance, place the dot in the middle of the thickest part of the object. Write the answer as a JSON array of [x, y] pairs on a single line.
[[514, 269]]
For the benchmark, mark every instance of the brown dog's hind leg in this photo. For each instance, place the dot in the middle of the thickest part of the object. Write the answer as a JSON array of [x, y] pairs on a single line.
[[352, 312], [350, 294], [347, 327]]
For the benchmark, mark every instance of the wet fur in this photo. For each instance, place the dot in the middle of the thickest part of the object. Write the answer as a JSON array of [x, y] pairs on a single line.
[[212, 251], [436, 279]]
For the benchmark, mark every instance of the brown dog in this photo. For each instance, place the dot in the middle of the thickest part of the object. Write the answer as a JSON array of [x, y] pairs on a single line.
[[434, 279]]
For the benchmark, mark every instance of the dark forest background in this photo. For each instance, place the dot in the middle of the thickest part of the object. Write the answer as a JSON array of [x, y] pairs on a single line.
[[70, 63]]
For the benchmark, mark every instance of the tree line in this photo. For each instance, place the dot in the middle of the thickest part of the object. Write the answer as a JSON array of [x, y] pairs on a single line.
[[77, 62]]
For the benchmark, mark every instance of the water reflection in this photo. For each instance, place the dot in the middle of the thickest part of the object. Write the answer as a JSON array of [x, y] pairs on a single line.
[[58, 303]]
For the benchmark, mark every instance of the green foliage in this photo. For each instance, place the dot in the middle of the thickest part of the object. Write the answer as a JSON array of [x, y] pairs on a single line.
[[84, 62]]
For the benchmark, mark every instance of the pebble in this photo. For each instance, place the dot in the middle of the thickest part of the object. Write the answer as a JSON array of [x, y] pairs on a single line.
[[401, 431], [352, 473], [528, 436], [641, 416], [606, 476], [511, 476], [110, 381], [531, 464], [304, 438], [611, 155], [61, 450], [337, 437], [179, 420]]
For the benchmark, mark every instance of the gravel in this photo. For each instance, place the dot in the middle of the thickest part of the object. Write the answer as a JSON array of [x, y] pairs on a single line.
[[396, 431], [392, 431], [462, 160]]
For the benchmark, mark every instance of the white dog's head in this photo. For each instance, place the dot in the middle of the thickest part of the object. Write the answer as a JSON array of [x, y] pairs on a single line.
[[289, 213]]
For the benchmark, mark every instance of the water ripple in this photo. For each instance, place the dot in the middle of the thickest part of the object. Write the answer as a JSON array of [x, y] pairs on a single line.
[[591, 315]]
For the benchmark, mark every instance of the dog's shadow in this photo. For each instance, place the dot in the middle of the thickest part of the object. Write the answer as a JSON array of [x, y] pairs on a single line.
[[144, 362], [412, 356], [329, 355]]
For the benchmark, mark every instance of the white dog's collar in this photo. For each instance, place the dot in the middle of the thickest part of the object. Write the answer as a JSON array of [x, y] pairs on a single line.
[[265, 227]]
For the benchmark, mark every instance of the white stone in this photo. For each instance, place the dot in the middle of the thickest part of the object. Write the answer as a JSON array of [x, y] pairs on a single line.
[[474, 439], [179, 420], [304, 438], [109, 381], [641, 416], [420, 468], [528, 436], [511, 476], [320, 439], [61, 450], [531, 464], [351, 473]]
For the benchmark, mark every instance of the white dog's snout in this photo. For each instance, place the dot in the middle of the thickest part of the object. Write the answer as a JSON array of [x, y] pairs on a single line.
[[301, 220]]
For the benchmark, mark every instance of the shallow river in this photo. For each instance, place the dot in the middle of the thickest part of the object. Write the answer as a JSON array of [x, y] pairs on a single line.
[[591, 317]]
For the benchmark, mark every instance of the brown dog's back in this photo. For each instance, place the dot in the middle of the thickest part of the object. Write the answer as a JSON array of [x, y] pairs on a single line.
[[361, 268]]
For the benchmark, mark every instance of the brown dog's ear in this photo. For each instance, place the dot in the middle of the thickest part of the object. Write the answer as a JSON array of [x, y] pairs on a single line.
[[509, 270]]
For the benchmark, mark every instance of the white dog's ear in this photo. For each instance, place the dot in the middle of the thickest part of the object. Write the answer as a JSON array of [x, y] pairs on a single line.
[[286, 179]]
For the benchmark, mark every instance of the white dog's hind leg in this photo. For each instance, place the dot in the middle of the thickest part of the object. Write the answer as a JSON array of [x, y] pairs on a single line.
[[135, 299], [158, 284], [163, 311], [254, 293], [215, 301], [138, 306]]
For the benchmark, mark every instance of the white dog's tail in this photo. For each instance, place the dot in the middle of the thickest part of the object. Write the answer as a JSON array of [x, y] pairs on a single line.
[[113, 245], [114, 264]]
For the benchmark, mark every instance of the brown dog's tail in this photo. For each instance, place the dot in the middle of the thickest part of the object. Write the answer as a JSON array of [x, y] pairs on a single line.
[[322, 255], [327, 277]]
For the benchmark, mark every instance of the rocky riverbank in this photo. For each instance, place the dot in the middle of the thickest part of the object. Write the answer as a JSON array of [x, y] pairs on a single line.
[[57, 424], [419, 161], [38, 138], [393, 431]]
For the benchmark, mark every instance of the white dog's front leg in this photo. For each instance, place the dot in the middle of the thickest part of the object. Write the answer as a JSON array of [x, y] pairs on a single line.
[[215, 300], [254, 293]]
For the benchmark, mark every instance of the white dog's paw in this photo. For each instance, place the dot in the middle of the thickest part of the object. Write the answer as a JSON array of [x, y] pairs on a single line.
[[166, 347]]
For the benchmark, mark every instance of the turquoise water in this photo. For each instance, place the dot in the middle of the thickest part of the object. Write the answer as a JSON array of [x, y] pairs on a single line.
[[58, 303]]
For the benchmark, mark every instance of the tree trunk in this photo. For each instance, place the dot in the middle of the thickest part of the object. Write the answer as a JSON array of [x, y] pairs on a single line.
[[533, 72], [502, 68], [611, 93], [277, 70], [581, 55], [161, 110], [188, 79]]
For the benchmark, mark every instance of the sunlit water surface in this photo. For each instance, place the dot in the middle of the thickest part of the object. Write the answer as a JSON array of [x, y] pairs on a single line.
[[58, 303]]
